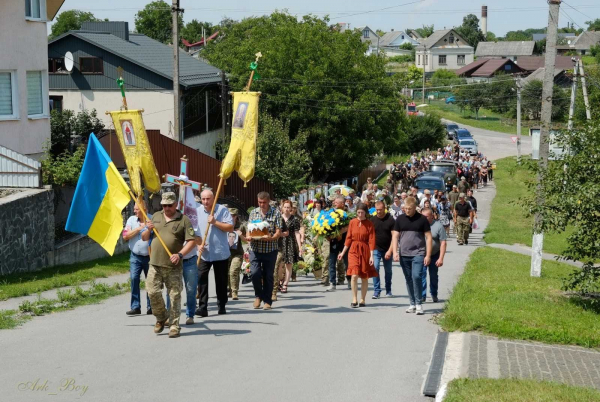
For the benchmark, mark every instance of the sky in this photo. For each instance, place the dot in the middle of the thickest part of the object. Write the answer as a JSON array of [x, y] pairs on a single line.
[[503, 15]]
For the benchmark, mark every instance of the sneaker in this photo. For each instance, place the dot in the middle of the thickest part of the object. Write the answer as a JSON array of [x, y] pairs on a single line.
[[159, 326], [257, 302], [411, 309], [201, 312], [274, 297], [189, 321], [234, 296], [435, 299], [375, 296], [267, 306], [134, 311], [420, 310], [466, 242], [331, 288], [174, 333], [389, 294]]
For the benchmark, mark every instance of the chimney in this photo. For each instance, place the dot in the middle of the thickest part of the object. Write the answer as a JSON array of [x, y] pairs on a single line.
[[117, 28], [484, 21]]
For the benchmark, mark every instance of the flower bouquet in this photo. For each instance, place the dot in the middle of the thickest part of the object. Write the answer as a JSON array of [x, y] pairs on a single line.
[[246, 276], [373, 211], [329, 224]]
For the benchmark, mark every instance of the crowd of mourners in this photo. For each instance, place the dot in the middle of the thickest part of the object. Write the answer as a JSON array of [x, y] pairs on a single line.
[[399, 222]]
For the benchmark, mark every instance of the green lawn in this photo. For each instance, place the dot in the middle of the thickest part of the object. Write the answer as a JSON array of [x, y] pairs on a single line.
[[17, 285], [508, 223], [488, 120], [514, 390], [497, 296]]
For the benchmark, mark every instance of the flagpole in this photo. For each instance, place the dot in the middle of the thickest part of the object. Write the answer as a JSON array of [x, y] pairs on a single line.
[[146, 218]]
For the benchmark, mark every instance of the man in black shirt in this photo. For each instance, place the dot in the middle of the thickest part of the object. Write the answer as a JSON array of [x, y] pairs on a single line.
[[472, 200], [384, 224], [412, 234], [463, 218]]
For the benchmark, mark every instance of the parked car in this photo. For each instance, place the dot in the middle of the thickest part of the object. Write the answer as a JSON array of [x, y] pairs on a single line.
[[450, 99], [462, 133], [451, 130], [469, 144], [448, 171], [430, 182]]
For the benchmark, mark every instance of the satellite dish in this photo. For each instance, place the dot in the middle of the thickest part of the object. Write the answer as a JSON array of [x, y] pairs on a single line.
[[69, 61]]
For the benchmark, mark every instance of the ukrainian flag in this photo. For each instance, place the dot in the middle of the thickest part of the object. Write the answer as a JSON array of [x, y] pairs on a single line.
[[100, 196]]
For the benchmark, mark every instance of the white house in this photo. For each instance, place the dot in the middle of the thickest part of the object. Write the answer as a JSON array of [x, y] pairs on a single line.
[[390, 43], [24, 107], [369, 36], [444, 49]]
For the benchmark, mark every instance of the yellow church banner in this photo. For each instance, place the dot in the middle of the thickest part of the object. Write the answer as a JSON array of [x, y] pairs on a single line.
[[133, 140], [241, 156]]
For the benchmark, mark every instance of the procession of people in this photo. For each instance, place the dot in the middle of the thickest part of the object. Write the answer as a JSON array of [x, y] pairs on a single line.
[[399, 223]]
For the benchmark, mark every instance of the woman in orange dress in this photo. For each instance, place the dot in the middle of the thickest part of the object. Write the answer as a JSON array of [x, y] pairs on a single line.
[[360, 240]]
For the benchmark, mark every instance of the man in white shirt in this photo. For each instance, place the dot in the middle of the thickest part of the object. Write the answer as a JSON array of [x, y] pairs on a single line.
[[139, 259]]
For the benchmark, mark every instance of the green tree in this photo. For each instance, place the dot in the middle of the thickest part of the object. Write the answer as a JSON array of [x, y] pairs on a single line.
[[444, 77], [426, 31], [70, 20], [156, 21], [64, 169], [571, 194], [531, 101], [192, 31], [518, 36], [491, 37], [282, 161], [423, 132], [470, 30], [320, 81], [64, 124], [593, 25], [592, 73], [503, 94], [540, 47], [473, 97]]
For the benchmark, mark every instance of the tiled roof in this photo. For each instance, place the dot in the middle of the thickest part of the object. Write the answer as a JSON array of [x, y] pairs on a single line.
[[486, 67], [509, 48], [532, 63], [471, 67], [152, 55], [539, 74]]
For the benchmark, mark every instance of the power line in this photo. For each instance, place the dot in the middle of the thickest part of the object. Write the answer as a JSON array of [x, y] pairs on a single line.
[[378, 10]]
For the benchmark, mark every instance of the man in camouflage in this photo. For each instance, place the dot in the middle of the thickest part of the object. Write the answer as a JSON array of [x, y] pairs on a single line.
[[174, 229], [237, 253], [463, 219]]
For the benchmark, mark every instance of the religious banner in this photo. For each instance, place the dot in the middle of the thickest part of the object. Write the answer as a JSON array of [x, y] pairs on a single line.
[[241, 156], [190, 208], [133, 140]]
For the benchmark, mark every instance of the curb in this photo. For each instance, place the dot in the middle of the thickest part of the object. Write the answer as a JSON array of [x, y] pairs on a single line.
[[436, 366]]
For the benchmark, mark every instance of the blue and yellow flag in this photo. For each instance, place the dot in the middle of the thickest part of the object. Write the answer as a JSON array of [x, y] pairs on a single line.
[[100, 196]]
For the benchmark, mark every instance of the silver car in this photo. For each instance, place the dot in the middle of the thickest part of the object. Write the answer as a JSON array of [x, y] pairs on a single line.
[[469, 144]]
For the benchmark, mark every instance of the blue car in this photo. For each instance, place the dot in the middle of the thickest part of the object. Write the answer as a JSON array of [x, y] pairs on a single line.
[[461, 134], [450, 99]]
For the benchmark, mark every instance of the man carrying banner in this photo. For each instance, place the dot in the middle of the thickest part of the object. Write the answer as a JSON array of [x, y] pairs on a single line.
[[174, 228], [215, 252]]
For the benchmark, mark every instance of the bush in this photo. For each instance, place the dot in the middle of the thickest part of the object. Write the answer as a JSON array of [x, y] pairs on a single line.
[[64, 124], [63, 169], [424, 132]]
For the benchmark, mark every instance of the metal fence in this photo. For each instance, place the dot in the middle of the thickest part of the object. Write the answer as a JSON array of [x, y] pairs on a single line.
[[17, 170]]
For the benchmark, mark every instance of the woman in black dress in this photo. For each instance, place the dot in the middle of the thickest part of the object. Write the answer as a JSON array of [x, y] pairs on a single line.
[[292, 247]]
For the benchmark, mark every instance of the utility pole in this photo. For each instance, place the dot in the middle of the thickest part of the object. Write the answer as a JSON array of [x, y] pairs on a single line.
[[519, 85], [546, 118], [424, 65], [573, 95], [224, 99], [176, 123], [588, 114]]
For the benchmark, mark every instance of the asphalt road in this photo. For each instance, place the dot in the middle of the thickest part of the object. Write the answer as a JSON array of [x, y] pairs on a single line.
[[311, 347]]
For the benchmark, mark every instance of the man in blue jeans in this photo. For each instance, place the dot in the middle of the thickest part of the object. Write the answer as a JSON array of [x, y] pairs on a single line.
[[412, 247], [438, 251], [139, 259], [384, 225]]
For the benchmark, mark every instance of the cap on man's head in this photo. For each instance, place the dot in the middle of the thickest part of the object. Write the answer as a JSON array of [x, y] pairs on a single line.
[[463, 178], [168, 198], [454, 186], [461, 195], [233, 211], [426, 191]]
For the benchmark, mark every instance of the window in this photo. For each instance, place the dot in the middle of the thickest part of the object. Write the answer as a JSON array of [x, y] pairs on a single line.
[[35, 102], [57, 66], [56, 102], [91, 65], [35, 10], [402, 37], [451, 38], [426, 59], [442, 59], [8, 95], [366, 33], [460, 59], [419, 60]]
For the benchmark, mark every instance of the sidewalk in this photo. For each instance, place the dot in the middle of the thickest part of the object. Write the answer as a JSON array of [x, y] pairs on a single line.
[[474, 355]]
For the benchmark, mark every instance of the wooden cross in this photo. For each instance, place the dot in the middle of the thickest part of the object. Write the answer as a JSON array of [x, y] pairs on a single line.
[[183, 181]]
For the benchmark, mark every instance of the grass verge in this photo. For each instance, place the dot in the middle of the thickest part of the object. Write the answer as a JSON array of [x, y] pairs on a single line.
[[66, 300], [488, 120], [497, 296], [508, 223], [24, 284], [515, 390]]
